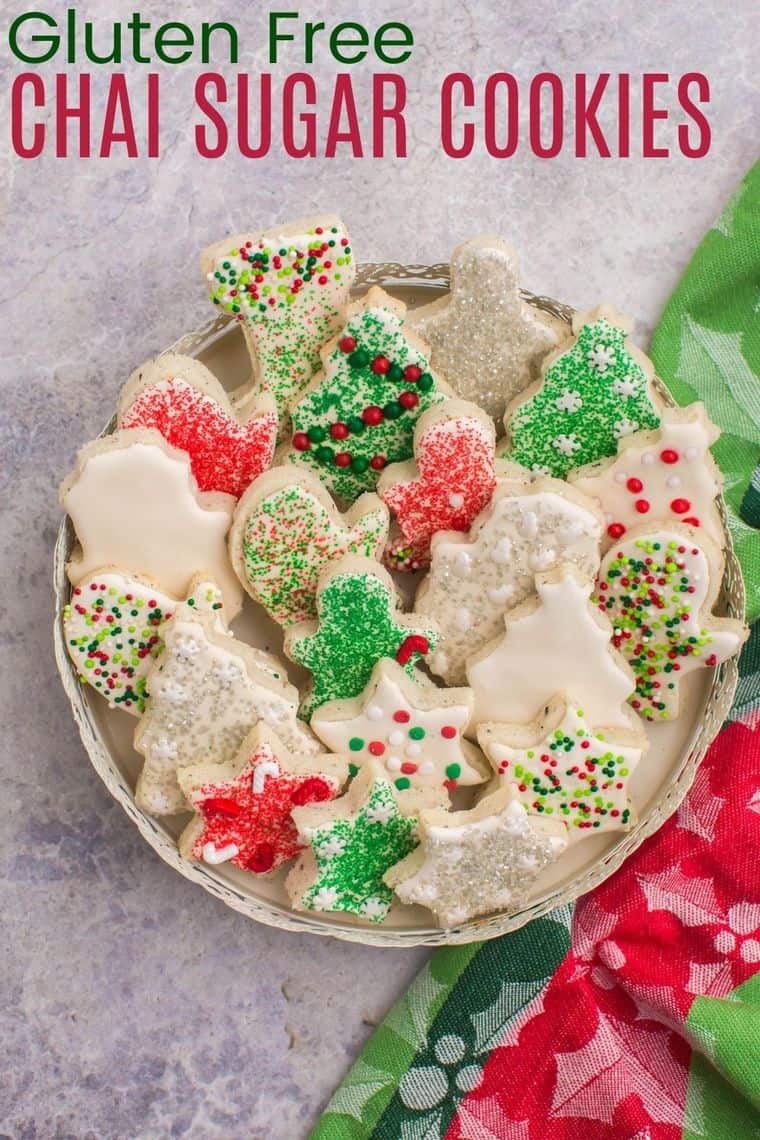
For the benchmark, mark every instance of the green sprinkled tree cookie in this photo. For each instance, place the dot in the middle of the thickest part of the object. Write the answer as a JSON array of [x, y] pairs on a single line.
[[287, 528], [358, 624], [288, 287], [360, 411], [353, 842], [594, 391], [658, 588], [561, 768]]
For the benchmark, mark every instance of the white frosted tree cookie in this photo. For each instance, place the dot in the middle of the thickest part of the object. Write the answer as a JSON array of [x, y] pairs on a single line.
[[288, 287], [557, 642], [135, 504], [243, 808], [561, 767], [359, 412], [658, 587], [486, 341], [663, 476], [287, 528], [414, 733], [471, 863], [594, 390], [111, 630], [207, 690], [184, 401], [474, 578]]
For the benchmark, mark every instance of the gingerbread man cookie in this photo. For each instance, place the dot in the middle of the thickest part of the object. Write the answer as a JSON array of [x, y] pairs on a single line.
[[359, 413], [285, 531], [486, 340], [474, 578], [594, 391], [135, 504], [449, 481], [178, 396], [288, 287], [658, 587], [667, 475], [244, 807]]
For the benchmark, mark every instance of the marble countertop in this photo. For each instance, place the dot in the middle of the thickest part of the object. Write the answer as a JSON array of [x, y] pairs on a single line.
[[135, 1005]]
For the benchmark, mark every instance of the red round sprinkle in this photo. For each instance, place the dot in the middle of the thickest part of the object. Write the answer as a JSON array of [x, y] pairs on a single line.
[[634, 486], [412, 373], [616, 530], [448, 732], [669, 456], [376, 747], [642, 506], [380, 365], [342, 459], [401, 716], [680, 506], [408, 400], [339, 431], [301, 441], [322, 280], [373, 415], [408, 768], [377, 462], [347, 344]]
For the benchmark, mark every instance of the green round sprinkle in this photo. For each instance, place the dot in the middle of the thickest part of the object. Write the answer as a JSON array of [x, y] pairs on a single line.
[[356, 744], [454, 771], [316, 433], [416, 733], [359, 358], [402, 783]]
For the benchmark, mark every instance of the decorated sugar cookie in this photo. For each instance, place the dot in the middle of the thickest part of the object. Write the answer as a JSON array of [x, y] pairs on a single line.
[[111, 630], [560, 767], [594, 391], [557, 642], [288, 287], [474, 862], [486, 341], [359, 413], [207, 690], [285, 531], [474, 578], [358, 623], [667, 475], [658, 587], [179, 397], [353, 841], [135, 504], [414, 733], [244, 807], [449, 481]]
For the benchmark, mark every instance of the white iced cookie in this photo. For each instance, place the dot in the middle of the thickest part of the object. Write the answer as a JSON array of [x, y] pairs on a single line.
[[560, 767], [135, 504], [661, 476], [471, 863], [557, 642], [415, 733], [206, 691], [474, 578], [486, 341]]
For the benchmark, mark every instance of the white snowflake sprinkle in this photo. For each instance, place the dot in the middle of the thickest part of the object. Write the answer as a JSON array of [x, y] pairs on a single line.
[[332, 846], [569, 401], [380, 813], [626, 387], [566, 444], [623, 427], [601, 357], [325, 898], [374, 908]]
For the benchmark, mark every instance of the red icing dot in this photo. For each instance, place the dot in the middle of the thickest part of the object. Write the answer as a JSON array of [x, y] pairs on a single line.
[[669, 456], [342, 459], [711, 660], [377, 463], [692, 521], [322, 280], [339, 431], [401, 716], [380, 365], [642, 506], [412, 373], [634, 486], [408, 400], [376, 747], [616, 530], [448, 732], [261, 858], [408, 768], [301, 441], [680, 506], [347, 344], [373, 415]]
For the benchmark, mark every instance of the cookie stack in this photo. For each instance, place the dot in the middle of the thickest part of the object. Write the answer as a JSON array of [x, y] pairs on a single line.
[[558, 523]]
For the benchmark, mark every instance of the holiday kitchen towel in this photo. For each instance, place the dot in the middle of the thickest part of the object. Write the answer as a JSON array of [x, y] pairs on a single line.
[[634, 1015]]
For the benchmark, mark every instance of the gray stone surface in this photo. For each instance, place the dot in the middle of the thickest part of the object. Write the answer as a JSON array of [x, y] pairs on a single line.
[[135, 1006]]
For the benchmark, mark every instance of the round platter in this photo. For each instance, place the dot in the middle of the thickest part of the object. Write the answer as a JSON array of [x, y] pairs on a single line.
[[660, 782]]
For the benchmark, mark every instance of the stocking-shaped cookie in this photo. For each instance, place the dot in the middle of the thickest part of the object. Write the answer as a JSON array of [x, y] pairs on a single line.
[[658, 588], [359, 413], [485, 340], [288, 287], [449, 481], [285, 531], [358, 623], [594, 391], [207, 690], [178, 396], [667, 475], [474, 578]]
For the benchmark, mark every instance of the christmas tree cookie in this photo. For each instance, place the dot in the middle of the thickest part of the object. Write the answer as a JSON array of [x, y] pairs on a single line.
[[449, 481], [359, 413], [658, 587], [486, 341], [358, 624], [353, 841], [207, 690], [178, 396], [667, 475], [560, 767], [474, 862], [594, 391], [111, 631], [244, 807], [285, 531], [288, 287], [414, 733]]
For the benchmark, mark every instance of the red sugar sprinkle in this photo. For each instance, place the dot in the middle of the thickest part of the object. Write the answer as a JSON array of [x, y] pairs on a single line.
[[448, 732], [634, 486], [669, 456], [680, 507], [401, 716], [376, 747]]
